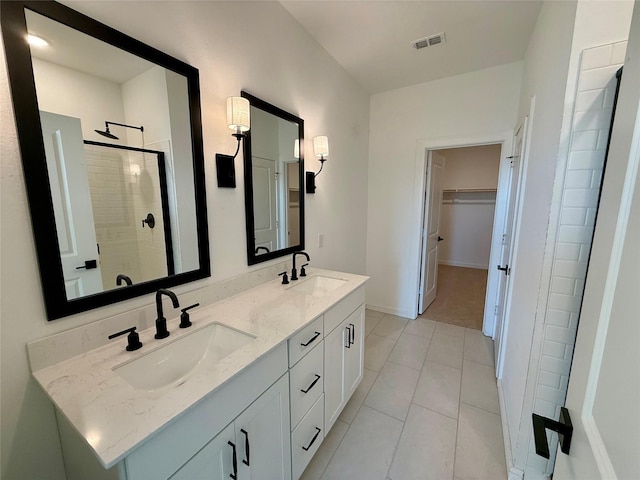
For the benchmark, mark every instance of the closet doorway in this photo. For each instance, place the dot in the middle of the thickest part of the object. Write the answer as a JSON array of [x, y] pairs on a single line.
[[460, 208]]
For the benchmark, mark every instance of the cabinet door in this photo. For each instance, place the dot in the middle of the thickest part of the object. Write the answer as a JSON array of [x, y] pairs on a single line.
[[263, 436], [335, 347], [213, 462], [354, 358]]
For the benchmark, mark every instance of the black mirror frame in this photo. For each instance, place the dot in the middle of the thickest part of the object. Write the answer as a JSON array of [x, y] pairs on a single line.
[[25, 107], [252, 258]]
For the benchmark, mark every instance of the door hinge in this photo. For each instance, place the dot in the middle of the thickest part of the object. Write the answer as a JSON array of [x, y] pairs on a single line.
[[504, 239], [495, 310]]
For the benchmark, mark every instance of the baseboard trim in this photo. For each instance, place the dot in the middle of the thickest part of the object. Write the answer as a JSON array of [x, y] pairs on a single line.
[[515, 474], [512, 472], [463, 264], [391, 311]]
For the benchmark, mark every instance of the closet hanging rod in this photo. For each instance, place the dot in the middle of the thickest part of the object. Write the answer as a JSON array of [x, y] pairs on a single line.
[[463, 190]]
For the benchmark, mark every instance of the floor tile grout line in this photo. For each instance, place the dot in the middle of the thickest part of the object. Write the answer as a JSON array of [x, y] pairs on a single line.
[[455, 453], [411, 401], [480, 408], [387, 360]]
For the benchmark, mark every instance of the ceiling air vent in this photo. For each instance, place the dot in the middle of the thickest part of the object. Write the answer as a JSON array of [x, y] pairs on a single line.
[[429, 41]]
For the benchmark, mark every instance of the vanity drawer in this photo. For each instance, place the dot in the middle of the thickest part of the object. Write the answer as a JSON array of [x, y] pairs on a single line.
[[303, 341], [336, 315], [307, 438], [306, 383]]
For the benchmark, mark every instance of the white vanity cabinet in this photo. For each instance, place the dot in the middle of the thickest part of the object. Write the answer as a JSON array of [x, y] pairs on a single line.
[[337, 362], [306, 361], [255, 400], [253, 447], [264, 421], [343, 364]]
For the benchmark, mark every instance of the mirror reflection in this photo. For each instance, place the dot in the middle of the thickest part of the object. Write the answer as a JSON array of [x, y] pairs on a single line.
[[117, 137], [273, 177]]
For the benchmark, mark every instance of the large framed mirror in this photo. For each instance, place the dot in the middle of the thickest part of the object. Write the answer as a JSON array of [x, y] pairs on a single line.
[[110, 136], [274, 182]]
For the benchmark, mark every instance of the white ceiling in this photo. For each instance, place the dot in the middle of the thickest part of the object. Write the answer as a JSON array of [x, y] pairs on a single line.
[[371, 39], [76, 50]]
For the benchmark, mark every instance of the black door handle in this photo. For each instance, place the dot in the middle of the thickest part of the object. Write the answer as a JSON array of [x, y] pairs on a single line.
[[440, 238], [564, 427], [348, 345], [88, 264], [352, 338], [505, 269], [246, 447], [234, 475]]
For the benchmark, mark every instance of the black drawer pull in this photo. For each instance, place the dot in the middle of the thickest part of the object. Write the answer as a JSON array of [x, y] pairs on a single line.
[[311, 340], [352, 340], [246, 447], [312, 440], [234, 475], [312, 384]]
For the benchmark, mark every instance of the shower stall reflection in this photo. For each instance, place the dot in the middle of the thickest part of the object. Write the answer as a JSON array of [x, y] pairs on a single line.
[[125, 185]]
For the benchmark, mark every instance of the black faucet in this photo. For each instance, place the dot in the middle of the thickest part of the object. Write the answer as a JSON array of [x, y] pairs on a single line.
[[161, 322], [123, 278], [294, 272]]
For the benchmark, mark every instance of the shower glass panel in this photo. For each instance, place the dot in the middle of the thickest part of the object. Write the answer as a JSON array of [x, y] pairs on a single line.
[[127, 184]]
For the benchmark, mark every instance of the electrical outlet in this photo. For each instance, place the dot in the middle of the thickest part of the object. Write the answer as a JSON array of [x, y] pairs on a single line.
[[320, 240]]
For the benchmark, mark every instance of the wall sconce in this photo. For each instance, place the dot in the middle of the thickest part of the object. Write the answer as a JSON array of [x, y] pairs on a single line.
[[239, 120], [321, 151]]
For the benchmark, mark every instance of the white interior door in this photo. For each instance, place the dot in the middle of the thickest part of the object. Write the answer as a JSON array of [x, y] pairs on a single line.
[[264, 203], [507, 237], [604, 388], [64, 149], [431, 230]]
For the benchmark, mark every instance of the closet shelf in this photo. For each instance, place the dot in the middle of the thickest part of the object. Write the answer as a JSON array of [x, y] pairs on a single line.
[[470, 190], [469, 196]]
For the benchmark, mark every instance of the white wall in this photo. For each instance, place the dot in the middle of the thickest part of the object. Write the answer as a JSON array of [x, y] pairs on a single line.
[[471, 167], [596, 23], [475, 104], [466, 219], [545, 77], [550, 74], [94, 100], [252, 45]]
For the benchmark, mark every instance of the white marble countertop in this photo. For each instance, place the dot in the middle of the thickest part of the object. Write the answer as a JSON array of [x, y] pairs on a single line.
[[114, 418]]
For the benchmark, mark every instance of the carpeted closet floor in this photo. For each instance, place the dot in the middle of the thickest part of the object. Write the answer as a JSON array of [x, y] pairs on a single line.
[[460, 297]]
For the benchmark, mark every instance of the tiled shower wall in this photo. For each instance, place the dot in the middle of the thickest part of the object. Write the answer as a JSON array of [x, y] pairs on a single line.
[[582, 180], [120, 201]]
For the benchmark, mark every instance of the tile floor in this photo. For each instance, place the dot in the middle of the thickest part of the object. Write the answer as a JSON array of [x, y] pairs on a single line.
[[427, 408]]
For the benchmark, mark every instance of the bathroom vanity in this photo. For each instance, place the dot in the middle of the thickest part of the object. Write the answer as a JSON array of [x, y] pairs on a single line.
[[248, 392]]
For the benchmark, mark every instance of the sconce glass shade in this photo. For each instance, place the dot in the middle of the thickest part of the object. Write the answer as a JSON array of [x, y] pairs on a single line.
[[321, 147], [238, 116], [296, 148], [135, 169]]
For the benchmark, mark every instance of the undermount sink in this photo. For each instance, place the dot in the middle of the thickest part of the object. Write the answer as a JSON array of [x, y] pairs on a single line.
[[171, 363], [318, 285]]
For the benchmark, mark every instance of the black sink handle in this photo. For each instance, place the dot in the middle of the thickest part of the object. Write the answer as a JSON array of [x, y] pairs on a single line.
[[133, 339], [185, 322]]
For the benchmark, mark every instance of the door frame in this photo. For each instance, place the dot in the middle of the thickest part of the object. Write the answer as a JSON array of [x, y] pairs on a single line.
[[423, 147]]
